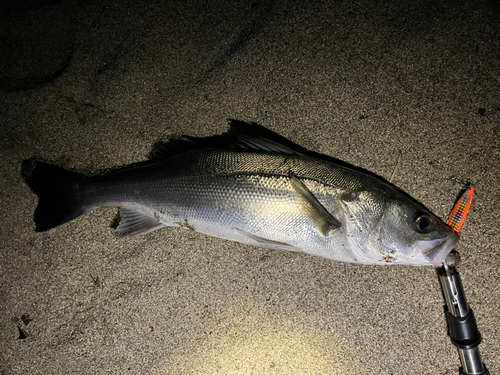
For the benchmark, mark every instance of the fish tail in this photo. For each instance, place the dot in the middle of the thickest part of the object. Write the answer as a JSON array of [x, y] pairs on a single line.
[[57, 191]]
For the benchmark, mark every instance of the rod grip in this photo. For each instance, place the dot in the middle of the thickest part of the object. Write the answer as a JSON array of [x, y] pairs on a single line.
[[464, 333], [485, 372]]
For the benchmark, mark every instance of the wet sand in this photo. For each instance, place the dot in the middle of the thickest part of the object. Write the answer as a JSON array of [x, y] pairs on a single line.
[[93, 86]]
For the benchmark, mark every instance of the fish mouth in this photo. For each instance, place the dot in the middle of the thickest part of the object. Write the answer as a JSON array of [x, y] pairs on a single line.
[[437, 254]]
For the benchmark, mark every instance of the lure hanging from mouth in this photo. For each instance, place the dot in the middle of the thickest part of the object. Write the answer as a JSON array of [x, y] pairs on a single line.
[[461, 210]]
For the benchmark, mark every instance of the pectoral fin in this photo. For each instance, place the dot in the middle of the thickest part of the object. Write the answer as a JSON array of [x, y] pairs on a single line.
[[310, 206]]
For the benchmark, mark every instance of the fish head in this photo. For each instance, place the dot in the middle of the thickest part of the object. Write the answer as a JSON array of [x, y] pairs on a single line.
[[410, 234]]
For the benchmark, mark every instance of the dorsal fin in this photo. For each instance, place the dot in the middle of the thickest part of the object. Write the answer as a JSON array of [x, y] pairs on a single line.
[[240, 136], [165, 150], [255, 137]]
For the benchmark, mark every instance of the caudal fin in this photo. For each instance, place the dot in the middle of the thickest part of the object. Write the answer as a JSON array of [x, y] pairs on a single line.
[[57, 191]]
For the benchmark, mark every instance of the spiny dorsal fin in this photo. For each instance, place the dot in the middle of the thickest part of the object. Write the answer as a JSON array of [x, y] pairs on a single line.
[[136, 223], [253, 136], [312, 208]]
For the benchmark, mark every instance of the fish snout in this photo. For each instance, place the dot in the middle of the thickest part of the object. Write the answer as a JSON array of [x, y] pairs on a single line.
[[438, 253]]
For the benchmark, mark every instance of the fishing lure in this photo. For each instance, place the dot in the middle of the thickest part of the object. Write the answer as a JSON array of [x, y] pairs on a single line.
[[461, 210]]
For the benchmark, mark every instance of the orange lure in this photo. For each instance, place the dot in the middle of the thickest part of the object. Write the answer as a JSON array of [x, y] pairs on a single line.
[[461, 209]]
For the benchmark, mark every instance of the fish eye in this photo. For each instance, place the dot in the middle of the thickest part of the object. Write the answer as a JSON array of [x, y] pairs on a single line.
[[423, 223]]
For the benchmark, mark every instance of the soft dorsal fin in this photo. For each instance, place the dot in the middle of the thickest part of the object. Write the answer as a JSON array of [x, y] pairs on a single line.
[[165, 150], [314, 210], [136, 223]]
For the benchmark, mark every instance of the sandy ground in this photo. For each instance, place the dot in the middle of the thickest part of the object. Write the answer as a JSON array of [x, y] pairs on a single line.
[[92, 85]]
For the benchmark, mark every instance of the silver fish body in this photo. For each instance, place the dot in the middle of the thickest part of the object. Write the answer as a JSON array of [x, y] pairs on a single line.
[[268, 199]]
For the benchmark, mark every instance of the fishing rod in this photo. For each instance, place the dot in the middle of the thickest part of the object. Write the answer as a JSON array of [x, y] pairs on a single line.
[[462, 326]]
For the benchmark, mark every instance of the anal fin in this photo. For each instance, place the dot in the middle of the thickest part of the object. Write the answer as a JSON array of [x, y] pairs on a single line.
[[136, 223]]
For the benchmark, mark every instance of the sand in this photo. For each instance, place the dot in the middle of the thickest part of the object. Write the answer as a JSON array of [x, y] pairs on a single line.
[[93, 85]]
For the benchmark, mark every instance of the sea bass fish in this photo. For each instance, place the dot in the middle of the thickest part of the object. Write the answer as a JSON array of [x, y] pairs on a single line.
[[252, 186]]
